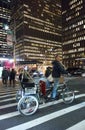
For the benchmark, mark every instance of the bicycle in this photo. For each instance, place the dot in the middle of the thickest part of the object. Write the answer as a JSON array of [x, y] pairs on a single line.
[[33, 94], [68, 95]]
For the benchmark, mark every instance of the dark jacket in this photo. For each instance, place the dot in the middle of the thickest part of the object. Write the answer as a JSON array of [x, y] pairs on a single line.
[[58, 69], [5, 74], [12, 74]]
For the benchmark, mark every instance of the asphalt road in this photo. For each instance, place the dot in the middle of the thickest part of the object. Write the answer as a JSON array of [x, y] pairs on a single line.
[[51, 116]]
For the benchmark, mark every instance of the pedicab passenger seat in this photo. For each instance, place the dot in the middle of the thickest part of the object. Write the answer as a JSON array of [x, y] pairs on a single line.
[[27, 85], [42, 87]]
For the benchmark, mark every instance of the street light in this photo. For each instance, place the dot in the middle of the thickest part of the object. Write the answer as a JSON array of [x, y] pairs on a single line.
[[8, 34], [14, 41], [11, 39], [6, 27]]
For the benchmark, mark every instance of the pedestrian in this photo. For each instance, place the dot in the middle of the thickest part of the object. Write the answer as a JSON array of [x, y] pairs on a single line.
[[57, 70], [12, 77], [5, 75]]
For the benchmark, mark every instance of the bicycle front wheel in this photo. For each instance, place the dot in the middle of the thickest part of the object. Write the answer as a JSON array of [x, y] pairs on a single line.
[[68, 96], [28, 105]]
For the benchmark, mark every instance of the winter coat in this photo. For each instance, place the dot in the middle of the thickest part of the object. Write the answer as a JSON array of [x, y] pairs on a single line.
[[5, 74], [58, 69], [12, 74]]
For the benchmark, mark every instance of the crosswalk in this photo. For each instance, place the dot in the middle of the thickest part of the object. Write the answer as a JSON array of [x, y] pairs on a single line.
[[45, 117], [78, 126]]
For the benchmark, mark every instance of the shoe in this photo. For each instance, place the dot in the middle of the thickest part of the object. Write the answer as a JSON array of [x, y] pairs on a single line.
[[56, 98], [47, 100]]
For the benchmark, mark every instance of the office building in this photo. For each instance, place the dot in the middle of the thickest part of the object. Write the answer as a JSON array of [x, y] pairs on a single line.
[[42, 28], [4, 27], [73, 16], [37, 26]]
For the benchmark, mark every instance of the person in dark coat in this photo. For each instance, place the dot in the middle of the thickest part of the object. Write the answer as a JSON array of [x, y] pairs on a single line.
[[57, 71], [12, 77], [5, 75]]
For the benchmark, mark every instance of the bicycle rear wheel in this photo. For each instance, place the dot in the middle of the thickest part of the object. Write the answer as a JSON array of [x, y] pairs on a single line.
[[28, 105], [68, 96]]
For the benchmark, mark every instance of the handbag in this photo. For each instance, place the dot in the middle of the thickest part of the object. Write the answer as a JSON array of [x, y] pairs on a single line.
[[61, 80], [50, 78]]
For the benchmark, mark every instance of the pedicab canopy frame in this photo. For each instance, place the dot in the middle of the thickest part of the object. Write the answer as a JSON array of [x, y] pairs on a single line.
[[29, 62]]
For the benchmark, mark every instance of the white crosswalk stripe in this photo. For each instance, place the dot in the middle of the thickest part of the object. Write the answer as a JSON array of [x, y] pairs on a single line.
[[9, 105], [5, 100], [51, 116], [7, 95], [78, 126], [41, 106]]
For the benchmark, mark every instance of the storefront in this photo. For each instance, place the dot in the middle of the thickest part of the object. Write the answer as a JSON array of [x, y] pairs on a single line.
[[7, 63]]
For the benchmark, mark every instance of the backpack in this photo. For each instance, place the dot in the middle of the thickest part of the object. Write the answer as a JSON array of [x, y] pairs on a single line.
[[20, 76], [48, 72], [25, 77]]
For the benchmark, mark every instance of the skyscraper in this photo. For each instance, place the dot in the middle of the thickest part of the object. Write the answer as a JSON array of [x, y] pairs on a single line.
[[37, 25], [73, 16], [42, 28], [4, 24]]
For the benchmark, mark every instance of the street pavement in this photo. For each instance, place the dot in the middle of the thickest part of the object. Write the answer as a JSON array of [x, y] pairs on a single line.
[[50, 116]]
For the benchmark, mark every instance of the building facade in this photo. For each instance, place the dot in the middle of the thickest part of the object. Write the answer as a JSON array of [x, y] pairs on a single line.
[[42, 28], [73, 16], [4, 24], [37, 26]]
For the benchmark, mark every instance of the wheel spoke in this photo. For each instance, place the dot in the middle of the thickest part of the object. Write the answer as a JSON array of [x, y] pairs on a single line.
[[28, 105], [68, 96]]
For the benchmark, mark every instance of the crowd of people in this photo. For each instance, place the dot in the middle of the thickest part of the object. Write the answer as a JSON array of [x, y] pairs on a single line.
[[8, 77]]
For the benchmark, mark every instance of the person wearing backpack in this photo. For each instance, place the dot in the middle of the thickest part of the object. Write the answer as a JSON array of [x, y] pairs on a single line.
[[57, 71]]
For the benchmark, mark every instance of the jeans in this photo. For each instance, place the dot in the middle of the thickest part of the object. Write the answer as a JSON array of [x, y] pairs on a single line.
[[47, 84], [55, 87]]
